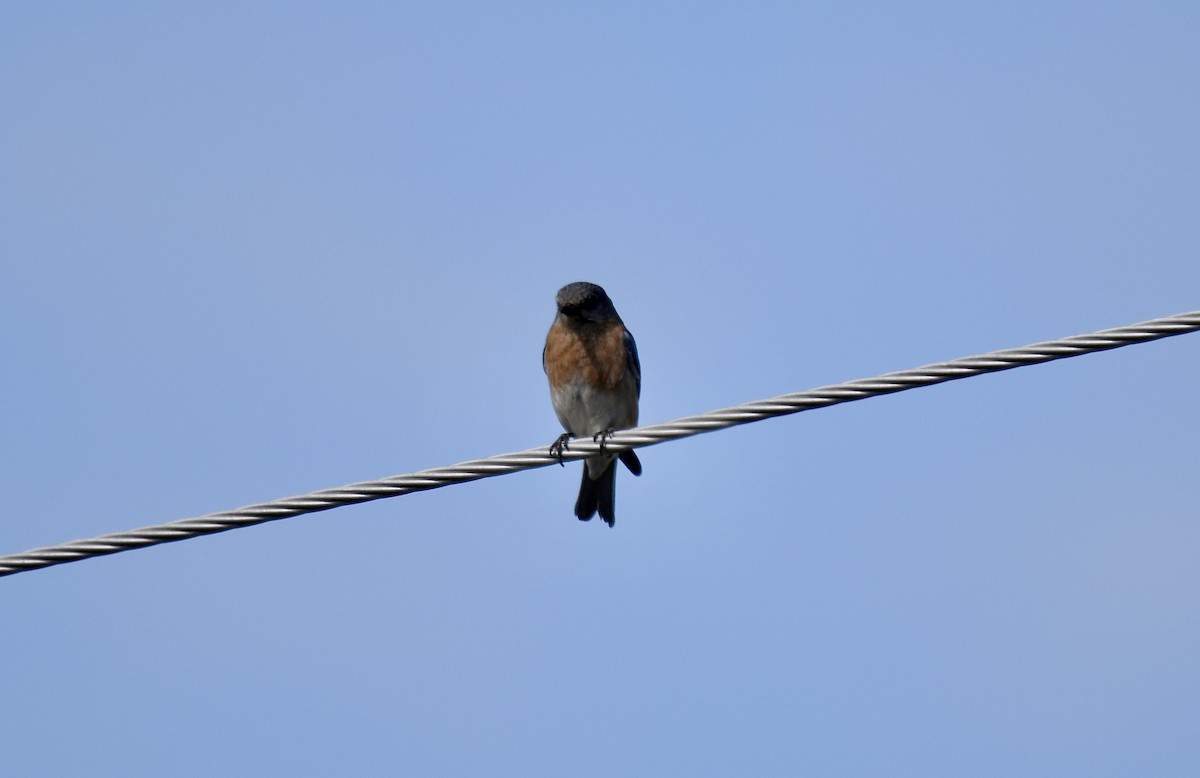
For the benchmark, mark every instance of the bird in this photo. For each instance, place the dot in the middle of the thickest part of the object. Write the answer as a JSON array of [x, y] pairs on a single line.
[[591, 363]]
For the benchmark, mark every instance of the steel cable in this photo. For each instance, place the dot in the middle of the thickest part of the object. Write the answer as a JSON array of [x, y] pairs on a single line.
[[648, 435]]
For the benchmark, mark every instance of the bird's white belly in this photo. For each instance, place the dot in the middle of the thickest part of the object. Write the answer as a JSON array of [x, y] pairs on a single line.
[[583, 410]]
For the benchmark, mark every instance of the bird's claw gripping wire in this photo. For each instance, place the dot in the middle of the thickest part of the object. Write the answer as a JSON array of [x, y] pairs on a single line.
[[559, 446], [602, 437]]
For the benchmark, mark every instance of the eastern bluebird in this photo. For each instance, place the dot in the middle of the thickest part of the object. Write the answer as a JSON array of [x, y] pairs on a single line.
[[595, 379]]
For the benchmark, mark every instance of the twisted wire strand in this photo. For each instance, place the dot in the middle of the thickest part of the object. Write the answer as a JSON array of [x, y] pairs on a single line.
[[721, 418]]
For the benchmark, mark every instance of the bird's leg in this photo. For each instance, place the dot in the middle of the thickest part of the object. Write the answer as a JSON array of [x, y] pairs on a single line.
[[602, 437], [559, 446]]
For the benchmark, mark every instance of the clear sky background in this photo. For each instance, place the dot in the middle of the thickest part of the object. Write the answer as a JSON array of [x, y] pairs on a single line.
[[253, 249]]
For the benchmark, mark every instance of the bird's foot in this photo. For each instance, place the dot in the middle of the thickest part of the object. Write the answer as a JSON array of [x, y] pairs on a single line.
[[559, 446], [602, 437]]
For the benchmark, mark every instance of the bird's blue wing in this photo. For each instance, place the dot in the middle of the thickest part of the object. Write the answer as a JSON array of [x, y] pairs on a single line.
[[631, 360]]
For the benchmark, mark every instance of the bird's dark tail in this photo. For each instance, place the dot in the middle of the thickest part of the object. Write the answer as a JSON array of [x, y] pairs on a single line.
[[598, 495]]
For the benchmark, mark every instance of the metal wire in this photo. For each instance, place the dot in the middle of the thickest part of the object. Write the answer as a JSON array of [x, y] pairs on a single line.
[[649, 435]]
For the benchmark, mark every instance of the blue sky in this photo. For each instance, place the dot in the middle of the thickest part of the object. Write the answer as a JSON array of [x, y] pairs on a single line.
[[251, 250]]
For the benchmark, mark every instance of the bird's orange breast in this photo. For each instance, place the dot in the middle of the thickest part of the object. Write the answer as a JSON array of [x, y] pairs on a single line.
[[594, 354]]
